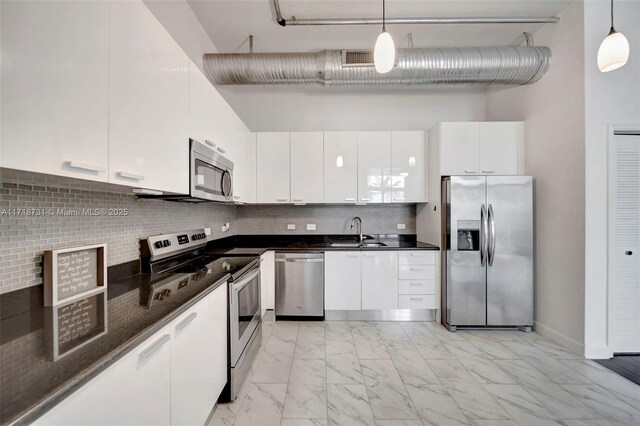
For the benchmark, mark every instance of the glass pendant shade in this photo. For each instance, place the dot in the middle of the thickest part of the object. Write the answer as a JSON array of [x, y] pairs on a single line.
[[613, 52], [384, 53]]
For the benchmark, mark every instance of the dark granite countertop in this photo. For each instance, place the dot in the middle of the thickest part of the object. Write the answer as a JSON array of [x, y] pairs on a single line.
[[258, 244], [32, 382]]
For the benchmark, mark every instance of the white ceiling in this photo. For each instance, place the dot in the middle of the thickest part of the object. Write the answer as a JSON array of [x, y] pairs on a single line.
[[229, 23], [282, 108]]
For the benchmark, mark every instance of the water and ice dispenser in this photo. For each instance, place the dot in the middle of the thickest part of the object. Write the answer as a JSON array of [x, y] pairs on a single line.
[[468, 235]]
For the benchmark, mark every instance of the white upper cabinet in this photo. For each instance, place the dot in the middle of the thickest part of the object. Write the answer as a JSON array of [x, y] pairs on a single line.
[[500, 143], [408, 167], [55, 88], [340, 167], [307, 183], [459, 148], [272, 174], [374, 167], [380, 280], [148, 102], [479, 148], [342, 278], [202, 110]]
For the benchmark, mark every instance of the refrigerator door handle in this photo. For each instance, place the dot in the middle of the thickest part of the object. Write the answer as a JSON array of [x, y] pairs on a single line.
[[492, 236], [484, 231]]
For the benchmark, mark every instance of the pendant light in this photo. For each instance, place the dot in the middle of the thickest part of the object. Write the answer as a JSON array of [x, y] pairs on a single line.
[[384, 54], [614, 50]]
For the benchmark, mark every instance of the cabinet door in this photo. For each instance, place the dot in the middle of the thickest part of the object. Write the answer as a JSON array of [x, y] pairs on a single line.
[[268, 281], [199, 359], [148, 102], [307, 167], [201, 108], [136, 390], [380, 280], [55, 88], [273, 168], [342, 280], [374, 167], [499, 144], [408, 168], [340, 167], [459, 149]]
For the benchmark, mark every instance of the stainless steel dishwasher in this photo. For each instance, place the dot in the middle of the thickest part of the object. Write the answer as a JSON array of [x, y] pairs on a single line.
[[300, 285]]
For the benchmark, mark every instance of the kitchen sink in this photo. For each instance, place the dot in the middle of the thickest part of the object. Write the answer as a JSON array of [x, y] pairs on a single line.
[[357, 245]]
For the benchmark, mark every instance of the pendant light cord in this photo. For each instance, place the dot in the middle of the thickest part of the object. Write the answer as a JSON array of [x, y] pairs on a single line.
[[611, 14], [384, 15]]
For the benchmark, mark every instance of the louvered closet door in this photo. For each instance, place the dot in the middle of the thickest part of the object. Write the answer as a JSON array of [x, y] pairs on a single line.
[[624, 243]]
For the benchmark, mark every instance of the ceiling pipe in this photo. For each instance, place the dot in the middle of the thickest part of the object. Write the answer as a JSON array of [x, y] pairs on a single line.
[[507, 65], [412, 21]]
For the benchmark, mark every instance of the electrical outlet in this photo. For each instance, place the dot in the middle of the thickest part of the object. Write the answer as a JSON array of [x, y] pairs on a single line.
[[207, 231], [226, 227], [311, 226], [401, 226], [291, 227]]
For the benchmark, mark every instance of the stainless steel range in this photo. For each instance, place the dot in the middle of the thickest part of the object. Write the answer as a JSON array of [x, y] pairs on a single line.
[[179, 261]]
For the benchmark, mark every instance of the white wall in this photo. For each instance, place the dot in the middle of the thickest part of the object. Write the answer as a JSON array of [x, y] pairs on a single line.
[[612, 97], [553, 109], [311, 108]]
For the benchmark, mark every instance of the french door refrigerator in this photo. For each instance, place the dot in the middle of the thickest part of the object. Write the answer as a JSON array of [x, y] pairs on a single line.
[[487, 270]]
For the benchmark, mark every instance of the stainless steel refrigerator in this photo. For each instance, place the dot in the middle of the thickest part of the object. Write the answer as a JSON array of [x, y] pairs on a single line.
[[487, 270]]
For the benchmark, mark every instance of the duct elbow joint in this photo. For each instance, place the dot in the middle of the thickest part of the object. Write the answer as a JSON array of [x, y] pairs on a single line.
[[282, 22]]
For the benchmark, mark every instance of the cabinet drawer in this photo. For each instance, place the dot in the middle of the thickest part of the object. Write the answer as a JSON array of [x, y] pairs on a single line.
[[423, 272], [417, 257], [417, 287], [424, 301]]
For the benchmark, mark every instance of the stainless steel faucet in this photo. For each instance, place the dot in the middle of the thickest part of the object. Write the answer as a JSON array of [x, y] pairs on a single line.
[[359, 227]]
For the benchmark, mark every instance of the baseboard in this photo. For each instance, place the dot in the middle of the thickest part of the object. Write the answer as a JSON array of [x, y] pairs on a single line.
[[560, 338]]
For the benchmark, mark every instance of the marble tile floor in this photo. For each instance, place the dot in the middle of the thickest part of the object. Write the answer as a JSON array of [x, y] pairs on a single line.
[[417, 373]]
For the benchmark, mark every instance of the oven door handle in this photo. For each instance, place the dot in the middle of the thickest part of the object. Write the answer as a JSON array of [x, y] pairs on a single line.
[[246, 279]]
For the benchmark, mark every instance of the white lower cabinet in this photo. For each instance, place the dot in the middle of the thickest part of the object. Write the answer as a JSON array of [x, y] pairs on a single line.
[[174, 377], [198, 360], [136, 390], [380, 280], [268, 280], [342, 278]]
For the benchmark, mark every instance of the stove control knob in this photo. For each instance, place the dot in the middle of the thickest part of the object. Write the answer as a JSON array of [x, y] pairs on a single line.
[[166, 243], [167, 293], [160, 295], [158, 244], [194, 237]]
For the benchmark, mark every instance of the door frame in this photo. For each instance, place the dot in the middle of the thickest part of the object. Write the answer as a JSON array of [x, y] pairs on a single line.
[[612, 129]]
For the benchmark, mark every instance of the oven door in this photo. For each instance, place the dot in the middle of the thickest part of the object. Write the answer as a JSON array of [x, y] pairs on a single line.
[[244, 311], [211, 175]]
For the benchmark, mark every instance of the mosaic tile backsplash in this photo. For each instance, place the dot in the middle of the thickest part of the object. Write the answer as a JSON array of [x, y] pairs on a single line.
[[329, 219], [23, 238]]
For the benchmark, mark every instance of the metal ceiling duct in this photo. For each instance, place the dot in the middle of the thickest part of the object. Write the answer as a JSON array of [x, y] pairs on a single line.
[[434, 66]]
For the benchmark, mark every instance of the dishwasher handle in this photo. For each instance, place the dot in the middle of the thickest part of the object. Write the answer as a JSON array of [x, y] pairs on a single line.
[[300, 260]]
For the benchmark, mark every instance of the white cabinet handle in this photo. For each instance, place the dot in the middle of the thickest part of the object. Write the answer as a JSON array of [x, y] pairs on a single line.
[[368, 255], [236, 197], [185, 322], [365, 199], [398, 198], [417, 254], [470, 171], [416, 284], [221, 150], [297, 200], [211, 144], [353, 255], [417, 299], [281, 200], [132, 176], [84, 166], [488, 171], [154, 347], [349, 199], [416, 269]]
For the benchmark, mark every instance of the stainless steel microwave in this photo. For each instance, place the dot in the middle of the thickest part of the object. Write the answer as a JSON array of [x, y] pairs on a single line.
[[210, 176]]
